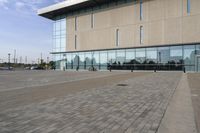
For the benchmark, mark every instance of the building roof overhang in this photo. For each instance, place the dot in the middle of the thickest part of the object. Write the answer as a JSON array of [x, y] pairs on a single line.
[[67, 6]]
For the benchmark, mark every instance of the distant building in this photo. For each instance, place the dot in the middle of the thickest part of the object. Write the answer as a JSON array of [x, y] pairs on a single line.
[[126, 34]]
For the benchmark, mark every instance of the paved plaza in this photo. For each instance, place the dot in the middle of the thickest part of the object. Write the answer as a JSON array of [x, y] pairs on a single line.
[[84, 102]]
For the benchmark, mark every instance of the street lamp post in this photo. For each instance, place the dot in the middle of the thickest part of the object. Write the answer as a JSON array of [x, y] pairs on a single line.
[[9, 61]]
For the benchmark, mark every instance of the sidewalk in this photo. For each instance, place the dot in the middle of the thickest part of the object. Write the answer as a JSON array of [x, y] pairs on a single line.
[[179, 117]]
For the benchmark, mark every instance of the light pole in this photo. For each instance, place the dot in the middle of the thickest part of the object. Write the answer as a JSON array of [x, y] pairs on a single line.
[[9, 61], [26, 60], [14, 56]]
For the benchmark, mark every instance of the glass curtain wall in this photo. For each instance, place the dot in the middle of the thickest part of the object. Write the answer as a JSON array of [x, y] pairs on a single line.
[[161, 58], [59, 40]]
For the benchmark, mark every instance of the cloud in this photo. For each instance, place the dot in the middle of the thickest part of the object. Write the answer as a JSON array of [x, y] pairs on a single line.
[[26, 6], [3, 3]]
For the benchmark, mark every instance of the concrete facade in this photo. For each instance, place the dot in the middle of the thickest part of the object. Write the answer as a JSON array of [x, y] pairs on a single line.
[[164, 22]]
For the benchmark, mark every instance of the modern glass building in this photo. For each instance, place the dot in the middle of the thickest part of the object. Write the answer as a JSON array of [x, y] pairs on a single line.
[[126, 34]]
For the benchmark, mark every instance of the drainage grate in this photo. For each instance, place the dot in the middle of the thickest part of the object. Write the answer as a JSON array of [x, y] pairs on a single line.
[[122, 85]]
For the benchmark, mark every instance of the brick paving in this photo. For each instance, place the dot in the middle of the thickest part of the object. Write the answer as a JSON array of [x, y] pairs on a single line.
[[194, 83], [136, 108]]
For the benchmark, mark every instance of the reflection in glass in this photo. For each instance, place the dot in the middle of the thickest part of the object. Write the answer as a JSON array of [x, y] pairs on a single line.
[[151, 55], [140, 55], [81, 60], [75, 60], [69, 60], [176, 58], [189, 57], [163, 55], [197, 59], [112, 57], [58, 60], [130, 58], [198, 49], [121, 56], [59, 38], [176, 54], [95, 60], [103, 59], [163, 58], [88, 59]]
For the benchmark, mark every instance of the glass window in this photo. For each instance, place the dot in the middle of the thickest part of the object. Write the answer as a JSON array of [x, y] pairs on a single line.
[[189, 57], [57, 60], [58, 42], [188, 6], [151, 55], [197, 60], [69, 61], [163, 55], [57, 33], [63, 24], [121, 56], [92, 20], [75, 42], [59, 36], [112, 57], [58, 25], [82, 60], [140, 55], [75, 59], [176, 55], [141, 35], [130, 56], [63, 33], [69, 58], [75, 23], [88, 59], [117, 37], [63, 43], [96, 59], [54, 26], [198, 49], [141, 9], [103, 59]]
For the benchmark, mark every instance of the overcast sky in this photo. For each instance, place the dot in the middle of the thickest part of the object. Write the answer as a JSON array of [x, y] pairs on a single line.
[[23, 30]]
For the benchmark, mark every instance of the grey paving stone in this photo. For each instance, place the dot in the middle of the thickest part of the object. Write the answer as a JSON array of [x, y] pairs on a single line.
[[138, 107]]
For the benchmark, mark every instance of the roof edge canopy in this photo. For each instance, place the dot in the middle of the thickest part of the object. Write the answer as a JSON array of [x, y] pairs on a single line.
[[67, 6]]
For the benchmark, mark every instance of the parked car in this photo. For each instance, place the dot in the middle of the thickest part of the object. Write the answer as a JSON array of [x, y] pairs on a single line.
[[6, 68], [27, 68], [37, 68]]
